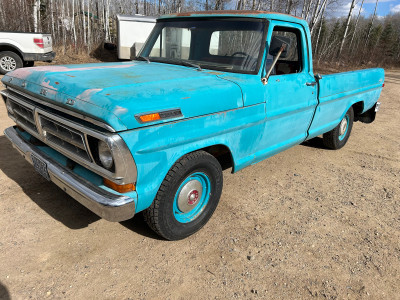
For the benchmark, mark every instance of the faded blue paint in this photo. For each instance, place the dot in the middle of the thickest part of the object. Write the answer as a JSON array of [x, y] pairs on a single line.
[[253, 120], [115, 92], [338, 92]]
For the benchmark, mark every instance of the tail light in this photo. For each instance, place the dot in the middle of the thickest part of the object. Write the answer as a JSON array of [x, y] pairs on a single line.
[[39, 43]]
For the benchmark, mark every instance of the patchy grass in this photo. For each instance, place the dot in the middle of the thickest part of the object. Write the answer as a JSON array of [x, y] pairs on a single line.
[[69, 56]]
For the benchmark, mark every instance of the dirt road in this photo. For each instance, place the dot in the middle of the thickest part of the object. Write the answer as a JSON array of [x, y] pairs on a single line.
[[307, 223]]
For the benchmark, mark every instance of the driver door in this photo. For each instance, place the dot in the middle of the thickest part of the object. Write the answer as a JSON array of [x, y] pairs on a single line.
[[291, 96]]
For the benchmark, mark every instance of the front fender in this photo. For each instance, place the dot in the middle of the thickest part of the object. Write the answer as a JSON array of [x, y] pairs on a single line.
[[156, 148]]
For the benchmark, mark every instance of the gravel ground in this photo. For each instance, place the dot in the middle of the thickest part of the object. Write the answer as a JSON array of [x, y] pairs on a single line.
[[306, 223]]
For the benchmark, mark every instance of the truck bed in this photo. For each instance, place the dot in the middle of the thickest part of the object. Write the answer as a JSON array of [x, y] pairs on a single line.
[[337, 92]]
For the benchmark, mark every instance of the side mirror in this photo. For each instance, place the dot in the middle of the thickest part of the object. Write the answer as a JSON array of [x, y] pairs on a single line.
[[276, 43]]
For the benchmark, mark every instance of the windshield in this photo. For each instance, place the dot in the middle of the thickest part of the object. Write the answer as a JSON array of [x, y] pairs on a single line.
[[228, 45]]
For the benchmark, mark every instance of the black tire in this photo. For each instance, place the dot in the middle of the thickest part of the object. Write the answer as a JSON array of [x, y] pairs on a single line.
[[162, 216], [336, 138], [28, 64], [9, 61]]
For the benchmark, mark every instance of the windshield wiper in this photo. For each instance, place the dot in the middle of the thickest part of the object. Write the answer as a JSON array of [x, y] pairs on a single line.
[[186, 63], [143, 58]]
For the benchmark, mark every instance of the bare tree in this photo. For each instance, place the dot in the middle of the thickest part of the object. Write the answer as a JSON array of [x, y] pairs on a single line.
[[318, 36], [36, 5], [73, 22], [352, 5], [355, 25], [372, 24], [88, 26], [304, 8], [317, 14]]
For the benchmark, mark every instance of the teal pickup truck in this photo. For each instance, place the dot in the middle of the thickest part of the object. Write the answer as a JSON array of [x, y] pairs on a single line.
[[208, 91]]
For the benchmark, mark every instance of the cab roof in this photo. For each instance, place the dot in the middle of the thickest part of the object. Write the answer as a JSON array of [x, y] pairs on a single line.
[[238, 13]]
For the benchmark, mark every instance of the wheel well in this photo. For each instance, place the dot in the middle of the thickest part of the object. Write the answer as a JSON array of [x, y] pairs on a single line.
[[222, 154], [358, 109], [12, 49]]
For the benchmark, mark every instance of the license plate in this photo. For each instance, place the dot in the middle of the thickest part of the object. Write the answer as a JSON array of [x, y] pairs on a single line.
[[40, 166]]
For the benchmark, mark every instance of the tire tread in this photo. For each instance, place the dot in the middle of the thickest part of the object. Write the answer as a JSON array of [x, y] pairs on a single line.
[[151, 214], [331, 138]]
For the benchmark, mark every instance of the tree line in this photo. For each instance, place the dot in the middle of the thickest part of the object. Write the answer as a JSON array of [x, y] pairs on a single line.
[[82, 25]]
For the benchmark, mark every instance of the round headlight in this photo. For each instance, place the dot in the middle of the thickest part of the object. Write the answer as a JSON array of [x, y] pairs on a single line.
[[105, 155]]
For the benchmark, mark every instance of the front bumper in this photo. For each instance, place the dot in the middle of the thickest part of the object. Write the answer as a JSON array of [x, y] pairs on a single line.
[[109, 206], [49, 56]]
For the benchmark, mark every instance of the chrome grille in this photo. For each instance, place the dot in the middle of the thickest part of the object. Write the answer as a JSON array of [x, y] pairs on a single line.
[[60, 135], [51, 129], [70, 133], [23, 116]]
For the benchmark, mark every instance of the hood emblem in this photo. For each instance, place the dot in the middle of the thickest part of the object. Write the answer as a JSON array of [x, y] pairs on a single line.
[[70, 101], [43, 92], [23, 84]]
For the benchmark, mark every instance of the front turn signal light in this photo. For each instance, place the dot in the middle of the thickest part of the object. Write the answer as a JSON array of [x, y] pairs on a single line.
[[150, 117], [120, 188]]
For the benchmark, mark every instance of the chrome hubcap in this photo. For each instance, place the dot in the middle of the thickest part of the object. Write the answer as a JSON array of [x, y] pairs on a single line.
[[8, 63], [189, 195], [343, 126]]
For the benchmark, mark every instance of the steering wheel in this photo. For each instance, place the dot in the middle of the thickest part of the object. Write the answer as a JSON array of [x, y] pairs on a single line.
[[240, 53]]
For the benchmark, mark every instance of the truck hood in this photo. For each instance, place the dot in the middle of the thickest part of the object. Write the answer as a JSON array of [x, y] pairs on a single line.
[[114, 93]]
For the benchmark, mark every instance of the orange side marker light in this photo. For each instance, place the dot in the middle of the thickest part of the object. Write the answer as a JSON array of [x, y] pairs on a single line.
[[150, 117], [124, 188]]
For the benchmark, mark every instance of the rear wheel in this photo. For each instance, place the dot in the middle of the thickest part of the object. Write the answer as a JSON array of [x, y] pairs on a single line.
[[188, 196], [9, 61], [338, 137]]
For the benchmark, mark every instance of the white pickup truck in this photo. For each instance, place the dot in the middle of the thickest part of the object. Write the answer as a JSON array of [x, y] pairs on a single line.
[[18, 50]]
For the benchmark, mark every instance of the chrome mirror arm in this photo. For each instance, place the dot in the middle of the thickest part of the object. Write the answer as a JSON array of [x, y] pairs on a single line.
[[264, 80]]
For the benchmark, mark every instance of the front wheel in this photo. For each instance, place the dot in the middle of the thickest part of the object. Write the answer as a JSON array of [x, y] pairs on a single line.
[[188, 196], [338, 137]]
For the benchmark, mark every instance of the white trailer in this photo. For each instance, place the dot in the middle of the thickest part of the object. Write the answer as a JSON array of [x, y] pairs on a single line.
[[132, 33]]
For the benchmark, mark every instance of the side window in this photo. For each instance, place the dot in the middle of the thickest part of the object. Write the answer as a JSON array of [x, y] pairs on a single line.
[[292, 63]]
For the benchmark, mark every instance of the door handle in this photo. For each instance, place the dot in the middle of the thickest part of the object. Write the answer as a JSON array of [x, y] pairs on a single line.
[[311, 83]]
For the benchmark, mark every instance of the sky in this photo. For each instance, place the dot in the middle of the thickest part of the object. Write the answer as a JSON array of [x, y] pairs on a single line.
[[385, 7]]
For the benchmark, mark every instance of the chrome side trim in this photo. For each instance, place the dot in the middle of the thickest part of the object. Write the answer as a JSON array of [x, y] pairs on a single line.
[[109, 206], [56, 107]]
